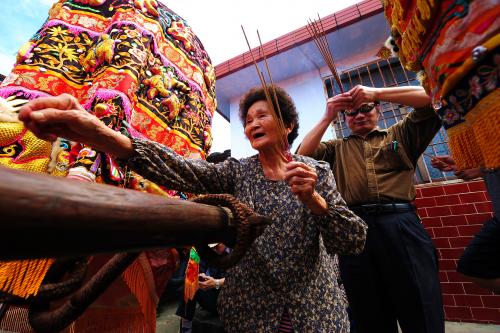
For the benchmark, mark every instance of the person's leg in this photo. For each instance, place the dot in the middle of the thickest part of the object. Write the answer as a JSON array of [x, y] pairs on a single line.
[[411, 269], [186, 310], [365, 292], [479, 262], [208, 300]]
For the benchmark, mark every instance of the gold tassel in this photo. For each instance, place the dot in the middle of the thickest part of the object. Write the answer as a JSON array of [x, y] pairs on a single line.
[[136, 280], [425, 8], [474, 143], [23, 278], [486, 127]]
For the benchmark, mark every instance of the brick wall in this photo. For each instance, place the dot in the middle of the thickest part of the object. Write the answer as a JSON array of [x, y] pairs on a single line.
[[453, 213]]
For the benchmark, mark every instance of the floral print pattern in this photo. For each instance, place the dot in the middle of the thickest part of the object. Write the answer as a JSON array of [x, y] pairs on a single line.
[[291, 265]]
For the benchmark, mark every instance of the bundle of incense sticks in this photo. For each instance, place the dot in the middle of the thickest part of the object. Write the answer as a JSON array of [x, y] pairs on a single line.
[[317, 32], [276, 113]]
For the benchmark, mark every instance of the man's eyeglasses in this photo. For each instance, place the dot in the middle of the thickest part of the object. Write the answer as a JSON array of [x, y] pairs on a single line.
[[365, 108]]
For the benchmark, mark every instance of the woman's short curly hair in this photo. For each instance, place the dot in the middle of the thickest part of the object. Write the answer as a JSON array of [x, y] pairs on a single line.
[[287, 107]]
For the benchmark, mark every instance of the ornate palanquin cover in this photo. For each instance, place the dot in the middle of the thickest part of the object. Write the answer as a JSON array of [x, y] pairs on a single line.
[[447, 42], [138, 67]]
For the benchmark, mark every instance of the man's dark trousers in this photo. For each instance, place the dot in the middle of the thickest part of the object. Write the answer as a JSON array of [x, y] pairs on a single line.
[[395, 278]]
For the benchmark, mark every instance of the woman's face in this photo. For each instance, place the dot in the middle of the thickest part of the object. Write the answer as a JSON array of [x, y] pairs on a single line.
[[260, 127]]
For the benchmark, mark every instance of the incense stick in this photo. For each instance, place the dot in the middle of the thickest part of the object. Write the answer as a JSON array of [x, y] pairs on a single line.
[[317, 32], [275, 114]]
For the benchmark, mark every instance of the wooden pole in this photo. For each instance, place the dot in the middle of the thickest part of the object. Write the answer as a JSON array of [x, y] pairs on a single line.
[[45, 216]]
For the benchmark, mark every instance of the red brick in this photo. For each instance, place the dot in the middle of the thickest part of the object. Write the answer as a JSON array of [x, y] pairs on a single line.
[[491, 301], [448, 300], [484, 207], [452, 288], [473, 289], [461, 242], [447, 200], [469, 230], [432, 191], [454, 276], [418, 193], [456, 188], [451, 253], [443, 277], [425, 202], [438, 211], [477, 186], [486, 314], [478, 218], [442, 243], [457, 312], [449, 221], [430, 222], [422, 212], [445, 232], [473, 197], [447, 265], [468, 300], [463, 209], [430, 231]]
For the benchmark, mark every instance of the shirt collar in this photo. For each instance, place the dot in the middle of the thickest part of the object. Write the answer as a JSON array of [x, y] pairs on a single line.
[[376, 129]]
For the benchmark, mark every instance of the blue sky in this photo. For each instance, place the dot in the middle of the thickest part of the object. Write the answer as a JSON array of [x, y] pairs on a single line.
[[20, 20]]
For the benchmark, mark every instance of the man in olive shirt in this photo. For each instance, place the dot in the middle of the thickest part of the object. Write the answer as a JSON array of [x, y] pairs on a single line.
[[396, 277]]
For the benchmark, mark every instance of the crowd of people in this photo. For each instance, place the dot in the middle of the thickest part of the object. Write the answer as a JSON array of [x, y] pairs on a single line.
[[388, 262], [345, 202]]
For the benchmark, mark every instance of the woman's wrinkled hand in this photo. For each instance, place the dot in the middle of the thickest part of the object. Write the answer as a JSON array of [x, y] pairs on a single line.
[[61, 116], [302, 180]]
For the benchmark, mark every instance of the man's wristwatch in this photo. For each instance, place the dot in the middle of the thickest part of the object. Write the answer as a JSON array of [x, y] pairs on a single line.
[[217, 284]]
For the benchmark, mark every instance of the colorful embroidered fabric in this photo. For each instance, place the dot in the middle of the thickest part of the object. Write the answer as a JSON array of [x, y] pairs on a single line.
[[471, 115], [445, 40], [138, 67]]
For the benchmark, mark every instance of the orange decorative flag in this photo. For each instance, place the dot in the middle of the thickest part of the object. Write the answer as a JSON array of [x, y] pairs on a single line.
[[192, 272]]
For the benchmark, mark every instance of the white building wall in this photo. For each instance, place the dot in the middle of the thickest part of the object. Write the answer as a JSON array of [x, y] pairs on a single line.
[[309, 95]]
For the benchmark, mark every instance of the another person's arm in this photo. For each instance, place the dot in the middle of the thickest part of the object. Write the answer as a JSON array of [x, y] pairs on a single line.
[[446, 163], [209, 282], [62, 116], [413, 96]]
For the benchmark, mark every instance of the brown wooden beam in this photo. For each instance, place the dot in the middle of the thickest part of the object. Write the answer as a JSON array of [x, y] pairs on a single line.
[[44, 216]]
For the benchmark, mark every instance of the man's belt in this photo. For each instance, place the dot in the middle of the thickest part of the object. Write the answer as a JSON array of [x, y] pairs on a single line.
[[383, 208]]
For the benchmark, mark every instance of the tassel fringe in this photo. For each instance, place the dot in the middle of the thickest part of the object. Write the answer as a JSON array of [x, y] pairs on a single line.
[[23, 278]]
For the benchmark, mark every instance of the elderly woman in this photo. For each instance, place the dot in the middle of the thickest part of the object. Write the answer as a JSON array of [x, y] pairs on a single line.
[[287, 275]]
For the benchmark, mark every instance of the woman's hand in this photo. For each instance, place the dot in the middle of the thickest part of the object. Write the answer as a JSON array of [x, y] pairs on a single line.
[[337, 104], [361, 95], [302, 180], [62, 116]]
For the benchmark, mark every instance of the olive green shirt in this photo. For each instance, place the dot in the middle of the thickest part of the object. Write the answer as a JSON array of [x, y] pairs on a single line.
[[381, 166]]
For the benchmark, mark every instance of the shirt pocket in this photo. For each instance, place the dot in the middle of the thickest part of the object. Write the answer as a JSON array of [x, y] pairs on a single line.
[[392, 157]]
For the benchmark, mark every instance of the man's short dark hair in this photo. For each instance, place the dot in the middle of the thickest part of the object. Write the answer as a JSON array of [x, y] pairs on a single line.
[[287, 107]]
